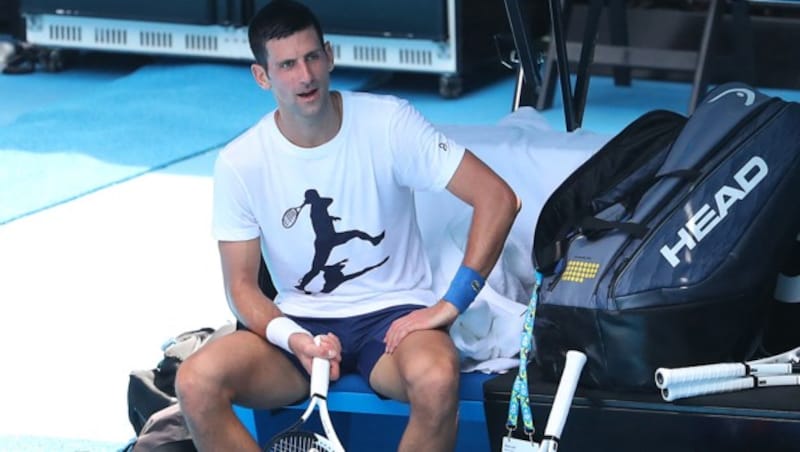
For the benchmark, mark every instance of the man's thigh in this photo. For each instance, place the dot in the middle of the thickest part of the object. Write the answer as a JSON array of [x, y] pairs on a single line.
[[253, 372], [417, 353]]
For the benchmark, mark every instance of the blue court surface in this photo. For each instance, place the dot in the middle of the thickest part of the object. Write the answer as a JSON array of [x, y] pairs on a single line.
[[105, 245]]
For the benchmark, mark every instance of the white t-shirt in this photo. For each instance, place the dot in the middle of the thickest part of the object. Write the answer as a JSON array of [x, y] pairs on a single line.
[[355, 246]]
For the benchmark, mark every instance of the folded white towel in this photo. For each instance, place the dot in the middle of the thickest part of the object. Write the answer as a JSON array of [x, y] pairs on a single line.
[[533, 159]]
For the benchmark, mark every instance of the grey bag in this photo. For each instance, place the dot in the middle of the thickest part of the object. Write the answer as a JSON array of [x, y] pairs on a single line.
[[152, 406], [165, 431]]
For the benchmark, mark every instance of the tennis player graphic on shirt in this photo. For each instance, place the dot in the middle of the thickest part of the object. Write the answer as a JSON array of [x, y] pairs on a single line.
[[328, 238]]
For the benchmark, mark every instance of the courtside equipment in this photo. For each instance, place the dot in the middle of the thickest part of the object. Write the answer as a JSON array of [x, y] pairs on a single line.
[[662, 249], [562, 401], [520, 402], [558, 412], [778, 370]]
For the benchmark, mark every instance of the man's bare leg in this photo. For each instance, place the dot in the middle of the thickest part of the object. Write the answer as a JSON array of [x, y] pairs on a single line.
[[424, 371], [241, 368]]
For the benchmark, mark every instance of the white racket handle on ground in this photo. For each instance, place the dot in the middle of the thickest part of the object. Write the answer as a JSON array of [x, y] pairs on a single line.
[[666, 377], [734, 384], [563, 400]]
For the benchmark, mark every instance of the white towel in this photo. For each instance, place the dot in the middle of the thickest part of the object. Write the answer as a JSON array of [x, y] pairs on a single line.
[[533, 159]]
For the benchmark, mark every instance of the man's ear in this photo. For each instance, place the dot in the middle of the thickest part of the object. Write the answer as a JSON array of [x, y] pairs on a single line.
[[260, 76], [329, 52]]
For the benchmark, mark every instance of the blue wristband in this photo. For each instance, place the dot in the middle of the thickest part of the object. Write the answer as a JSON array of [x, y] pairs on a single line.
[[464, 288]]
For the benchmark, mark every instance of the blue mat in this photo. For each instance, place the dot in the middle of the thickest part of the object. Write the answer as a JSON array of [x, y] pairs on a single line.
[[46, 444], [31, 92], [158, 115]]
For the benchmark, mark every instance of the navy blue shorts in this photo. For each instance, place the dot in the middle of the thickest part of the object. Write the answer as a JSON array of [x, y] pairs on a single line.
[[361, 337]]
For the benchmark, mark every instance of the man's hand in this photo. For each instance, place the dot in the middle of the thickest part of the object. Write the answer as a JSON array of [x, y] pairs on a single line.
[[305, 349], [438, 315]]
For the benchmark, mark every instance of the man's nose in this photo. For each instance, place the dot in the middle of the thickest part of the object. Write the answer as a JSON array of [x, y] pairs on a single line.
[[306, 75]]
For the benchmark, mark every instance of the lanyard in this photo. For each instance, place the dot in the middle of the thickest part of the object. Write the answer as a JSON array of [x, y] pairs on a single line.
[[519, 393]]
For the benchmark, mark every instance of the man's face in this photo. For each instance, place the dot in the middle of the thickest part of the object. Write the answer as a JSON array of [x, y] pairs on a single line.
[[298, 73]]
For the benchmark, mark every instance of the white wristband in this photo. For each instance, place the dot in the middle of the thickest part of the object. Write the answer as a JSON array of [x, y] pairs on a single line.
[[280, 329]]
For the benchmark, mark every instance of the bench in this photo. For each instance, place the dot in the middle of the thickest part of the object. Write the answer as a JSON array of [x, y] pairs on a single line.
[[365, 422]]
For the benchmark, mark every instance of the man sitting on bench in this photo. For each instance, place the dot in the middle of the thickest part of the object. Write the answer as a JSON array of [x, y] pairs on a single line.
[[324, 186]]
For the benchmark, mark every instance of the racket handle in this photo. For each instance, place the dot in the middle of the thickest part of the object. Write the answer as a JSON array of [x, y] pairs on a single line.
[[778, 380], [682, 375], [563, 400], [320, 374], [706, 387]]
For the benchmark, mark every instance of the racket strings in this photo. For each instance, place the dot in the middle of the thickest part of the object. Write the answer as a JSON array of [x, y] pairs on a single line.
[[299, 442], [293, 444]]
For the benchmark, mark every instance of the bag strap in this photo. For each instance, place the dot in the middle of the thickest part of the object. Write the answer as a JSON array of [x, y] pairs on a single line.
[[520, 400], [592, 226]]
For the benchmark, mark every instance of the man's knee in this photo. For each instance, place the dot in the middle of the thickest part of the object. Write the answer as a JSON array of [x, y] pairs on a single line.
[[196, 383], [186, 380], [435, 382]]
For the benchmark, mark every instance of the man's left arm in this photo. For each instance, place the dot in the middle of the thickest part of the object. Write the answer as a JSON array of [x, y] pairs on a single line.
[[495, 206]]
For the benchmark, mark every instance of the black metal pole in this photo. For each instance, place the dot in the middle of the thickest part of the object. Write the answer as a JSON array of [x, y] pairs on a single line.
[[563, 65], [522, 43]]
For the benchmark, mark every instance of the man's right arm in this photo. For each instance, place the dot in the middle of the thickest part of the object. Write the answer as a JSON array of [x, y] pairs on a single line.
[[240, 263]]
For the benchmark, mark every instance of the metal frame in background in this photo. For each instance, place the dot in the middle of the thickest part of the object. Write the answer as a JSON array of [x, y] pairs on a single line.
[[66, 31], [529, 75], [228, 42], [622, 56]]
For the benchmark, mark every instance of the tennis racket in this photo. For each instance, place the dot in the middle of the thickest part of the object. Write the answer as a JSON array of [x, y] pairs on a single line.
[[681, 382], [296, 440], [563, 400], [290, 216]]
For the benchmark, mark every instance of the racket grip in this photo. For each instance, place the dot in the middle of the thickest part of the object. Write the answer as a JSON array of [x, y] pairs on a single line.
[[320, 374], [682, 375], [563, 399], [706, 387], [666, 377]]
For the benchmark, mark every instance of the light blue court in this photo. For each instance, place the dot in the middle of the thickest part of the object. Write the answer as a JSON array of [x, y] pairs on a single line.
[[105, 246]]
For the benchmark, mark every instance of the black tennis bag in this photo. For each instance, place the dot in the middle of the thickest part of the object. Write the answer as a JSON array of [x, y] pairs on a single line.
[[662, 249]]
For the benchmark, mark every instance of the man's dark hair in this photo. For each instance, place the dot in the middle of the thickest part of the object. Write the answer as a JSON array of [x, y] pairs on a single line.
[[276, 20]]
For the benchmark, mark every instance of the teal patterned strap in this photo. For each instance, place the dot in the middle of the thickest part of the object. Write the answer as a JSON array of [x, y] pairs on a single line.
[[519, 393]]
